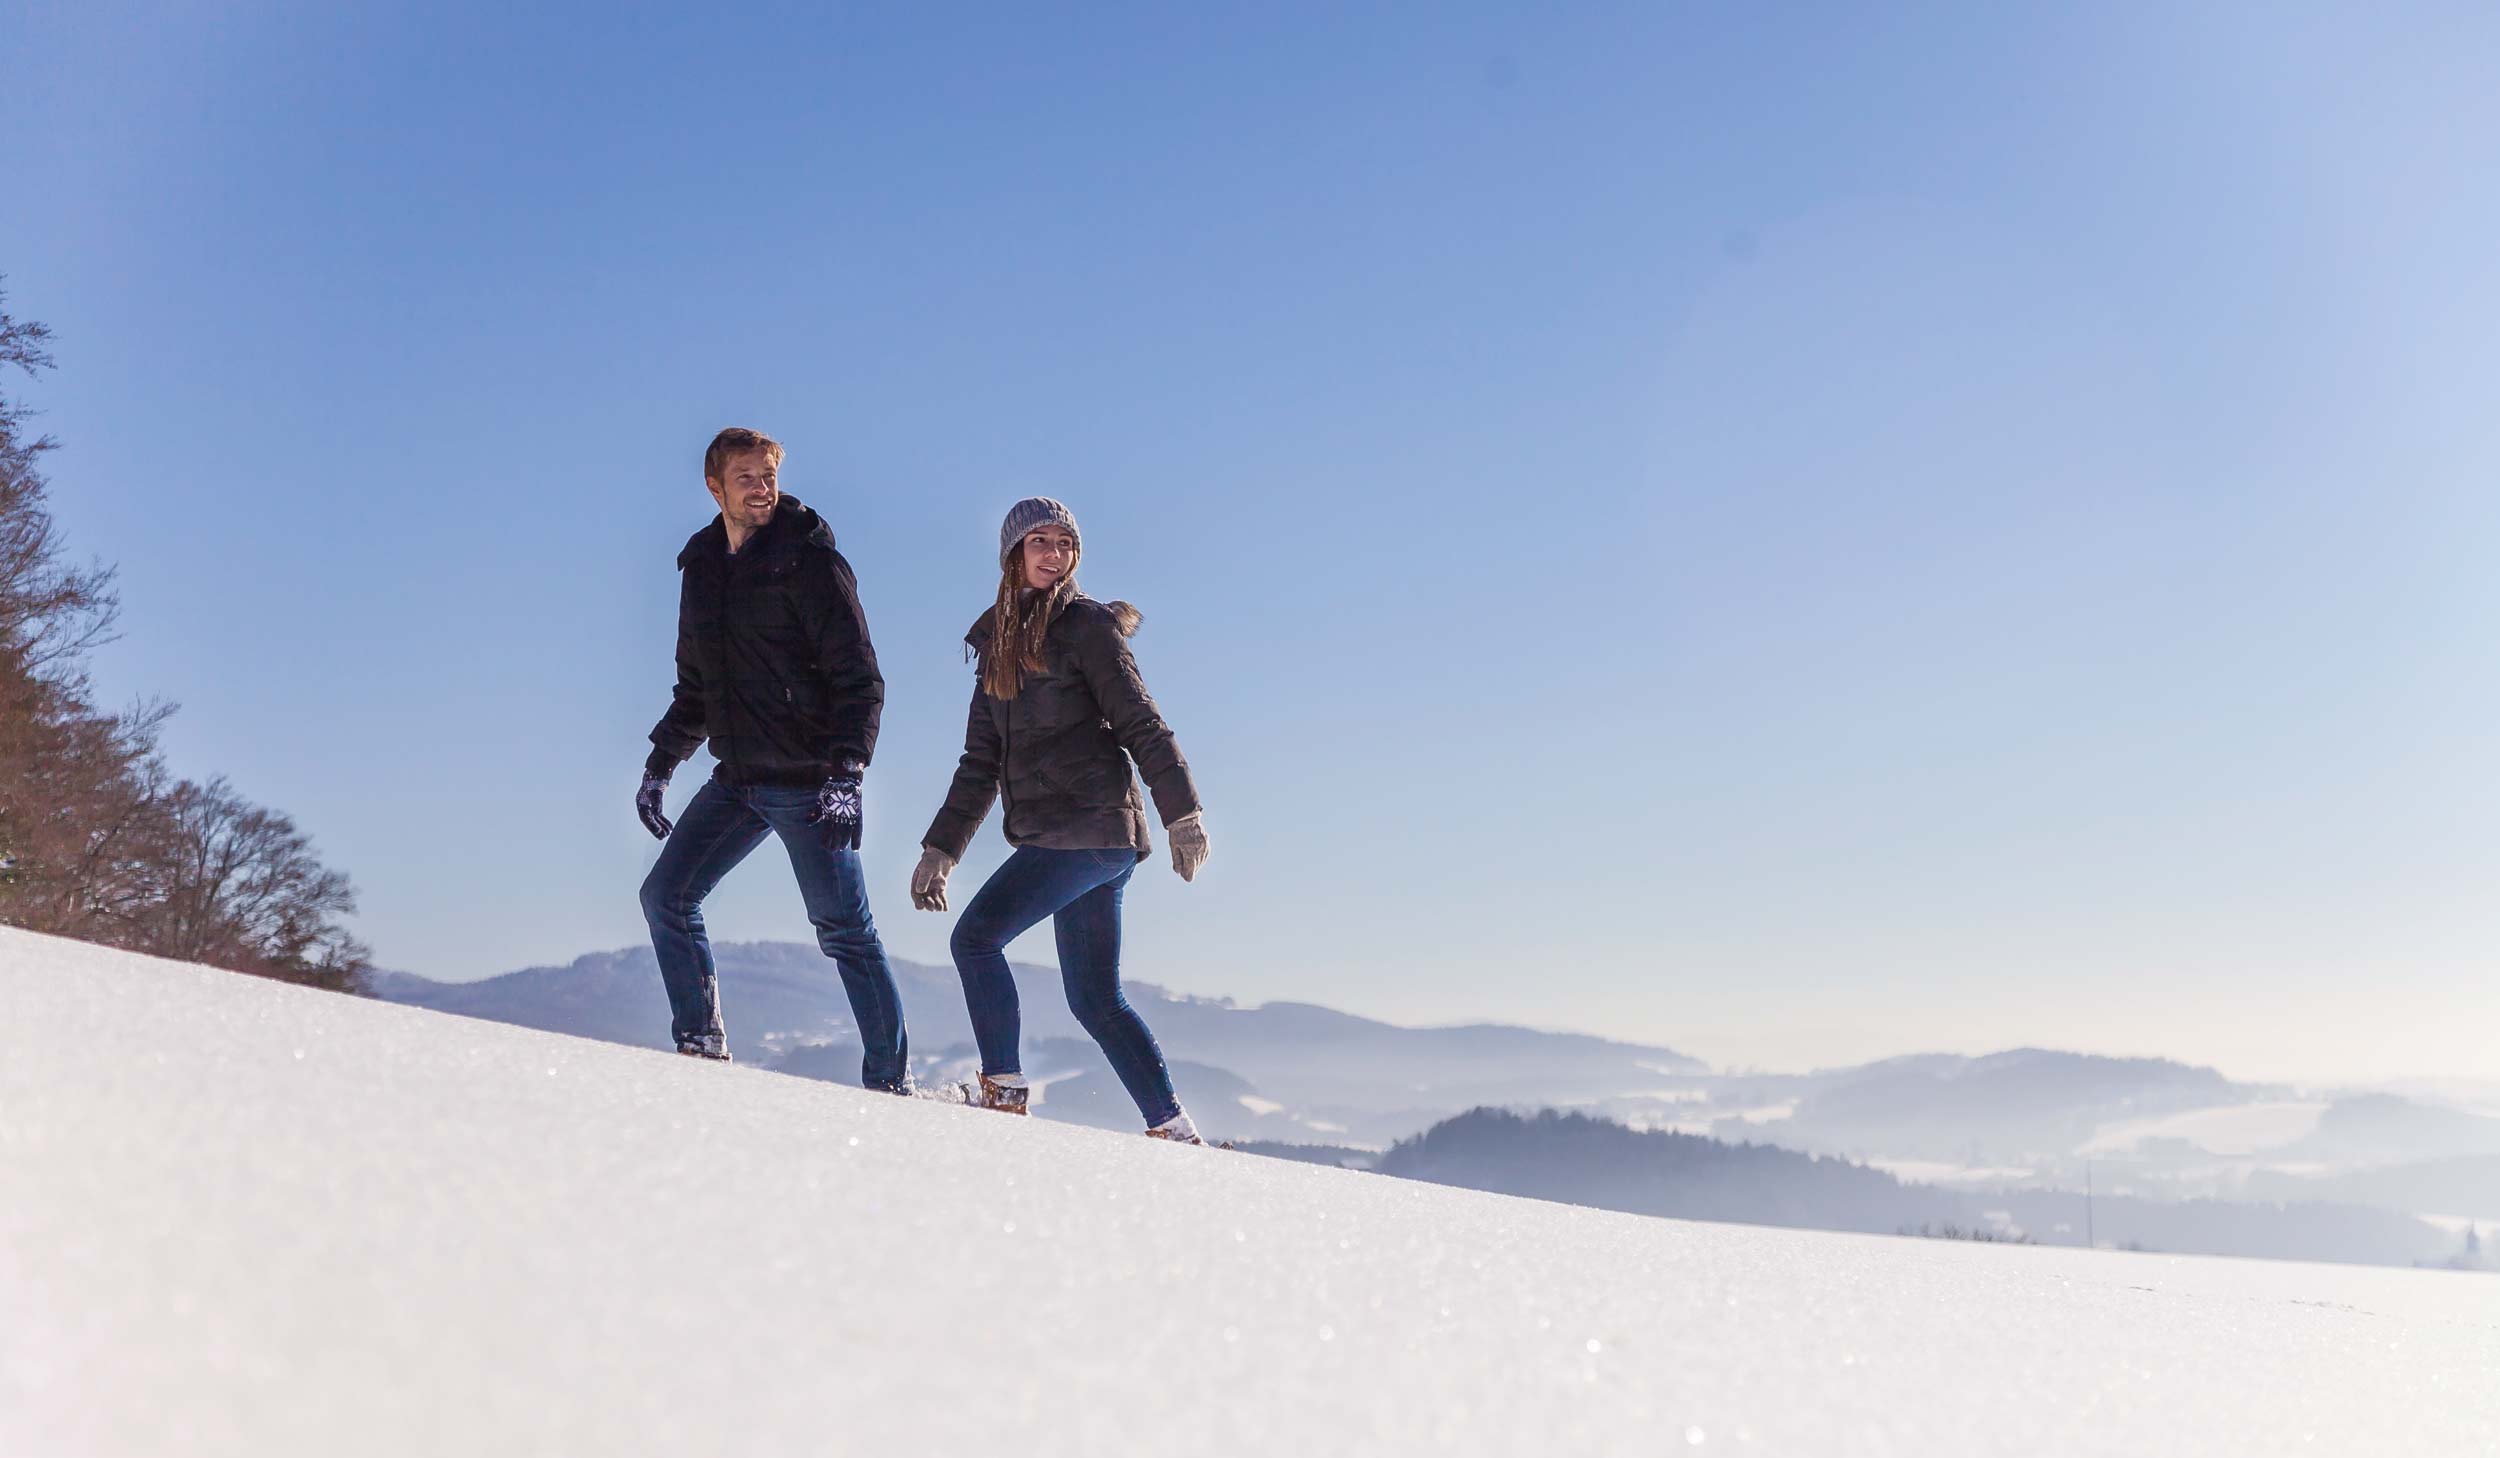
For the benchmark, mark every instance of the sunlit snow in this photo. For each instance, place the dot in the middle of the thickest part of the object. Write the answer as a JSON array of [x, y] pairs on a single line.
[[240, 1218]]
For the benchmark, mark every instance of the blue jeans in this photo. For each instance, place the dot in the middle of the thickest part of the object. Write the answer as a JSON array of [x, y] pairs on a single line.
[[721, 826], [1080, 891]]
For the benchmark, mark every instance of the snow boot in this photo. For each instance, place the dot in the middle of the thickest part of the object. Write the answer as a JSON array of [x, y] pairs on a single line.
[[1178, 1129], [998, 1094]]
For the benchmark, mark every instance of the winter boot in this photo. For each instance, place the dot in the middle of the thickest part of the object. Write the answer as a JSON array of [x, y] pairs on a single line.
[[1008, 1094], [1178, 1129], [712, 1046]]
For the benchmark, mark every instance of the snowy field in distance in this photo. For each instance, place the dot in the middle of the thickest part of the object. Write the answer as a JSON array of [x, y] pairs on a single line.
[[239, 1218], [2230, 1129]]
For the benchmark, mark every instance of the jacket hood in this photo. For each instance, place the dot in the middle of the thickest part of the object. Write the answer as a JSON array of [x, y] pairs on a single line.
[[1125, 618], [791, 516]]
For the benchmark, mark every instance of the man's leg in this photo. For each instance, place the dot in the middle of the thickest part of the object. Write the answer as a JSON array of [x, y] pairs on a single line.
[[836, 893], [714, 834], [1032, 884]]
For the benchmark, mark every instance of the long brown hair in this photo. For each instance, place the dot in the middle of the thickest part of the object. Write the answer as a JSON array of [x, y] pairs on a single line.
[[1019, 623]]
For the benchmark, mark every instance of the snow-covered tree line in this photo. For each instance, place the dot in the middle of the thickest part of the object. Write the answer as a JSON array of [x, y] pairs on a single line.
[[98, 838]]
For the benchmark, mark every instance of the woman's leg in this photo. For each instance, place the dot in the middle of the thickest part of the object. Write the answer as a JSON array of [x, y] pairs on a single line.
[[1089, 966], [1031, 885]]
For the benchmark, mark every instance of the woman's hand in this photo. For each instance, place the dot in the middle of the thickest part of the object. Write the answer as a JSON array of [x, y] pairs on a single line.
[[928, 879], [1189, 844]]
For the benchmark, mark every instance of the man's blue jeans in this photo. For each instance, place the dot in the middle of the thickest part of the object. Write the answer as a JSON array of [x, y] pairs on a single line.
[[1080, 891], [721, 826]]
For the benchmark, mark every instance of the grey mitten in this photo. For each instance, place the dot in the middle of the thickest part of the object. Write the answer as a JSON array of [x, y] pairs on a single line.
[[928, 879], [647, 805], [1189, 844]]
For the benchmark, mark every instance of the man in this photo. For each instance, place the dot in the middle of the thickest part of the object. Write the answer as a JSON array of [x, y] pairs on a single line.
[[774, 667]]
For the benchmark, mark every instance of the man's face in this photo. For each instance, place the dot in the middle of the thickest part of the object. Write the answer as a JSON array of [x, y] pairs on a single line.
[[748, 489]]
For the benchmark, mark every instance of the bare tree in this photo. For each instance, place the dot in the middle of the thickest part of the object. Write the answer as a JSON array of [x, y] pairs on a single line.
[[70, 777], [97, 839], [80, 796], [50, 613], [242, 889]]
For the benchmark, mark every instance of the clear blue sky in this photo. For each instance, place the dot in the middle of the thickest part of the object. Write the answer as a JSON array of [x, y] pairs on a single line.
[[1798, 532]]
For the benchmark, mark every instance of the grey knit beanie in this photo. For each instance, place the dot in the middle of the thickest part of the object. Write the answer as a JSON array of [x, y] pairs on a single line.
[[1028, 514]]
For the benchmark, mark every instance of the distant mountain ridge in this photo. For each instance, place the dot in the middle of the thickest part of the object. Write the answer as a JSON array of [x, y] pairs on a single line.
[[1277, 1070], [1300, 1073], [2016, 1106], [1577, 1160]]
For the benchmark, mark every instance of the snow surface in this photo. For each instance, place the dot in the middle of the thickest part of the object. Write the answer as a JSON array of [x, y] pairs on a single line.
[[1941, 1172], [244, 1218]]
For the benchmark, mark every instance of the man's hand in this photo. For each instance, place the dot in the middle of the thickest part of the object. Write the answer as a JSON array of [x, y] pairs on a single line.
[[928, 879], [1189, 844], [838, 808], [647, 805]]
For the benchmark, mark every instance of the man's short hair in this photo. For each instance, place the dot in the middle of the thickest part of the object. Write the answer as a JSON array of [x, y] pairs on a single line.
[[737, 440]]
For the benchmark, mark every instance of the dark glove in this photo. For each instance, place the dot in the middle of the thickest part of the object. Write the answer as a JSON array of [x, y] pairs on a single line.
[[647, 805], [838, 808]]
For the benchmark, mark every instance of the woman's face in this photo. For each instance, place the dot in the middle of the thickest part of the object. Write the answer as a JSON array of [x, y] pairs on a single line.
[[1049, 554]]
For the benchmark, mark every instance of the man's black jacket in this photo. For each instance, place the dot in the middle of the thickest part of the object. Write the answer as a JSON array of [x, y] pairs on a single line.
[[773, 660]]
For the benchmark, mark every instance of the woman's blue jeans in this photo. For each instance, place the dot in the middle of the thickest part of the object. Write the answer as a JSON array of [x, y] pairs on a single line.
[[1079, 890]]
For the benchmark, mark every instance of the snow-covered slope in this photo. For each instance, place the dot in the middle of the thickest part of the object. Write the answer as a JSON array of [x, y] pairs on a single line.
[[244, 1218]]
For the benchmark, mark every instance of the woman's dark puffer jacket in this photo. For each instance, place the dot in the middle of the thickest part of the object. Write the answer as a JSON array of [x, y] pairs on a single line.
[[1054, 752]]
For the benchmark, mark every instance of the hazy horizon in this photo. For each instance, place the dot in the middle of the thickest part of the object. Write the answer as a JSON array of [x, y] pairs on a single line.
[[1033, 955]]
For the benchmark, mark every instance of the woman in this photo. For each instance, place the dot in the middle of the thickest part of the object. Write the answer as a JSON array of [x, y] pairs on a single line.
[[1058, 711]]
